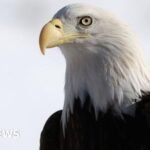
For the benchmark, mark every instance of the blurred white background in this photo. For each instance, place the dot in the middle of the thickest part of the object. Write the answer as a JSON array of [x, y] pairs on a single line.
[[31, 85]]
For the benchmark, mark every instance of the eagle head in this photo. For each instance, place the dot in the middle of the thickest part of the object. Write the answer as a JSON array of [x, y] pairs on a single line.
[[103, 58]]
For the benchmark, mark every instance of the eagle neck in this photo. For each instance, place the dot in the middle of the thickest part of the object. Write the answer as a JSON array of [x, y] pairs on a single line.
[[109, 80]]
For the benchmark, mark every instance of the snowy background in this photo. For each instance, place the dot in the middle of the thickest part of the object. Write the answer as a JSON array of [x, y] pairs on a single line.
[[31, 85]]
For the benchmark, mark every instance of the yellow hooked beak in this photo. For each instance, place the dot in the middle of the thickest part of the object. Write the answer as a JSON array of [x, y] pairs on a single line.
[[53, 35]]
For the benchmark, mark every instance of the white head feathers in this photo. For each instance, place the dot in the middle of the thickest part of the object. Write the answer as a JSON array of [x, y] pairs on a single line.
[[109, 65]]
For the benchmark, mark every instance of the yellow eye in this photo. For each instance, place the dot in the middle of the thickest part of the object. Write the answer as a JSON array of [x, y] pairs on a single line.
[[85, 21]]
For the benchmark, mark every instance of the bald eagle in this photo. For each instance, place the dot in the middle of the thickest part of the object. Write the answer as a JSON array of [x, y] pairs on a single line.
[[107, 83]]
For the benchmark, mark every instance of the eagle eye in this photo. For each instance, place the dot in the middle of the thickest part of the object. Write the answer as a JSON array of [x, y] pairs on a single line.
[[85, 21]]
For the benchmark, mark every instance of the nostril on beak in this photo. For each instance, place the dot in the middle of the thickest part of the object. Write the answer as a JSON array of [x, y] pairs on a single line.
[[57, 26]]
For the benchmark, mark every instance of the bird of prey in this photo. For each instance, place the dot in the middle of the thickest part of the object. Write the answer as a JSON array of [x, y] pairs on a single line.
[[107, 83]]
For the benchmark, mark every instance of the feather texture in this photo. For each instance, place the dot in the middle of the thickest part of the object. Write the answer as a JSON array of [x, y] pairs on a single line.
[[109, 65]]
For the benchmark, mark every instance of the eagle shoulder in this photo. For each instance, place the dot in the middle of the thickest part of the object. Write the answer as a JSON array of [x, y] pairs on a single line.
[[50, 134]]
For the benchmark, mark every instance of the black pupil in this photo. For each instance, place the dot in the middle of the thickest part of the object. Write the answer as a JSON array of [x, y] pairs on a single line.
[[86, 20]]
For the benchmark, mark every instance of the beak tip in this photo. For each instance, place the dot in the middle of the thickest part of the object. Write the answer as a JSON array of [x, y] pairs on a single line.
[[42, 43], [42, 47], [43, 51]]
